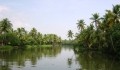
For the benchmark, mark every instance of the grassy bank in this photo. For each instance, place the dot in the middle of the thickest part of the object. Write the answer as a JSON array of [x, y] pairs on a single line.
[[46, 45], [6, 48], [36, 46]]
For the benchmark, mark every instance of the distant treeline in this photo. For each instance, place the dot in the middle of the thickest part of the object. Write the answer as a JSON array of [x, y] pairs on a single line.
[[20, 37], [67, 42]]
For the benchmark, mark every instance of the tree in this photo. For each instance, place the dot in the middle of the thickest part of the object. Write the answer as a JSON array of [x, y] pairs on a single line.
[[116, 11], [96, 19], [80, 25], [33, 35], [22, 35], [105, 36], [70, 34], [33, 32], [5, 27], [39, 38], [111, 18]]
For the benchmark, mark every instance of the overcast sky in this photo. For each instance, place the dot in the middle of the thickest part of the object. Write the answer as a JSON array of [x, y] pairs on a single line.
[[52, 16]]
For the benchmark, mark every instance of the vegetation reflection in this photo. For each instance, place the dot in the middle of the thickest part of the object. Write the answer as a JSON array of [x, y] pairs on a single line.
[[94, 61], [19, 57]]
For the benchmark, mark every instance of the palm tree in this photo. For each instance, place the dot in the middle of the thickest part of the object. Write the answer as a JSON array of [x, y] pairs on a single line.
[[116, 11], [5, 27], [51, 38], [80, 25], [95, 19], [55, 39], [59, 40], [113, 16], [44, 39], [22, 35], [109, 18], [88, 35], [70, 34], [39, 38], [21, 32], [33, 32]]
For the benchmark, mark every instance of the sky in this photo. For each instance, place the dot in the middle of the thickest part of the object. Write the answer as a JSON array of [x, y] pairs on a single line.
[[52, 16]]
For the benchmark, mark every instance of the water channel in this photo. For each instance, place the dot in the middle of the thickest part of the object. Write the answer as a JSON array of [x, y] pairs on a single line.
[[55, 58]]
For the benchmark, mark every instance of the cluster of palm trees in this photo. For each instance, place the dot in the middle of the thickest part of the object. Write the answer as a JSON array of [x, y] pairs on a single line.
[[103, 33], [20, 37]]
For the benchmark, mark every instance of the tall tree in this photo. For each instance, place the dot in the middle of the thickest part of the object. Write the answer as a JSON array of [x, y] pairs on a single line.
[[22, 35], [70, 34], [95, 19], [5, 27], [33, 32], [39, 38], [80, 25], [116, 11]]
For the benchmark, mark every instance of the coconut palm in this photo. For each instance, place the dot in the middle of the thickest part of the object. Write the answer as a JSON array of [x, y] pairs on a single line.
[[95, 19], [113, 16], [39, 38], [116, 11], [5, 27], [80, 25], [33, 32], [70, 34], [22, 35], [45, 39]]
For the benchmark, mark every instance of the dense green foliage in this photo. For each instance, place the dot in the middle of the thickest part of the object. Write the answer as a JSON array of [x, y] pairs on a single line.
[[102, 34], [21, 37]]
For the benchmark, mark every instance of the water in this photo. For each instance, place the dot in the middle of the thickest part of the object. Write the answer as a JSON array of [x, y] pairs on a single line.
[[56, 58]]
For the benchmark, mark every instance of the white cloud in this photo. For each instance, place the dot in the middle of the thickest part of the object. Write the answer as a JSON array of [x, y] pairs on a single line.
[[3, 9], [16, 18], [17, 23], [20, 23]]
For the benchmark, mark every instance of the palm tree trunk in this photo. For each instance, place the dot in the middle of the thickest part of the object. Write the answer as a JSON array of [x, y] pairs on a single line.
[[96, 25]]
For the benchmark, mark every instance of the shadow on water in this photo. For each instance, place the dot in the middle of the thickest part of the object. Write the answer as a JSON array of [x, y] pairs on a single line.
[[95, 61], [18, 58]]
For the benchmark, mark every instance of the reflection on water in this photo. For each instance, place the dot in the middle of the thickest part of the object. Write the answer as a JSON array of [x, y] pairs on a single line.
[[95, 61], [55, 58], [22, 58]]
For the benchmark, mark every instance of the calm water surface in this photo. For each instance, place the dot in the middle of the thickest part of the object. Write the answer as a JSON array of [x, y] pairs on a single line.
[[56, 58]]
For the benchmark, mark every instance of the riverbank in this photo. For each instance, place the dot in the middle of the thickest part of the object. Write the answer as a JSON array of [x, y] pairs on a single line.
[[8, 47], [78, 50]]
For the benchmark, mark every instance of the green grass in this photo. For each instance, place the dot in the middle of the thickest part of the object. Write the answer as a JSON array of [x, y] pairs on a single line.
[[6, 48], [31, 46], [46, 46], [36, 46], [27, 47]]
